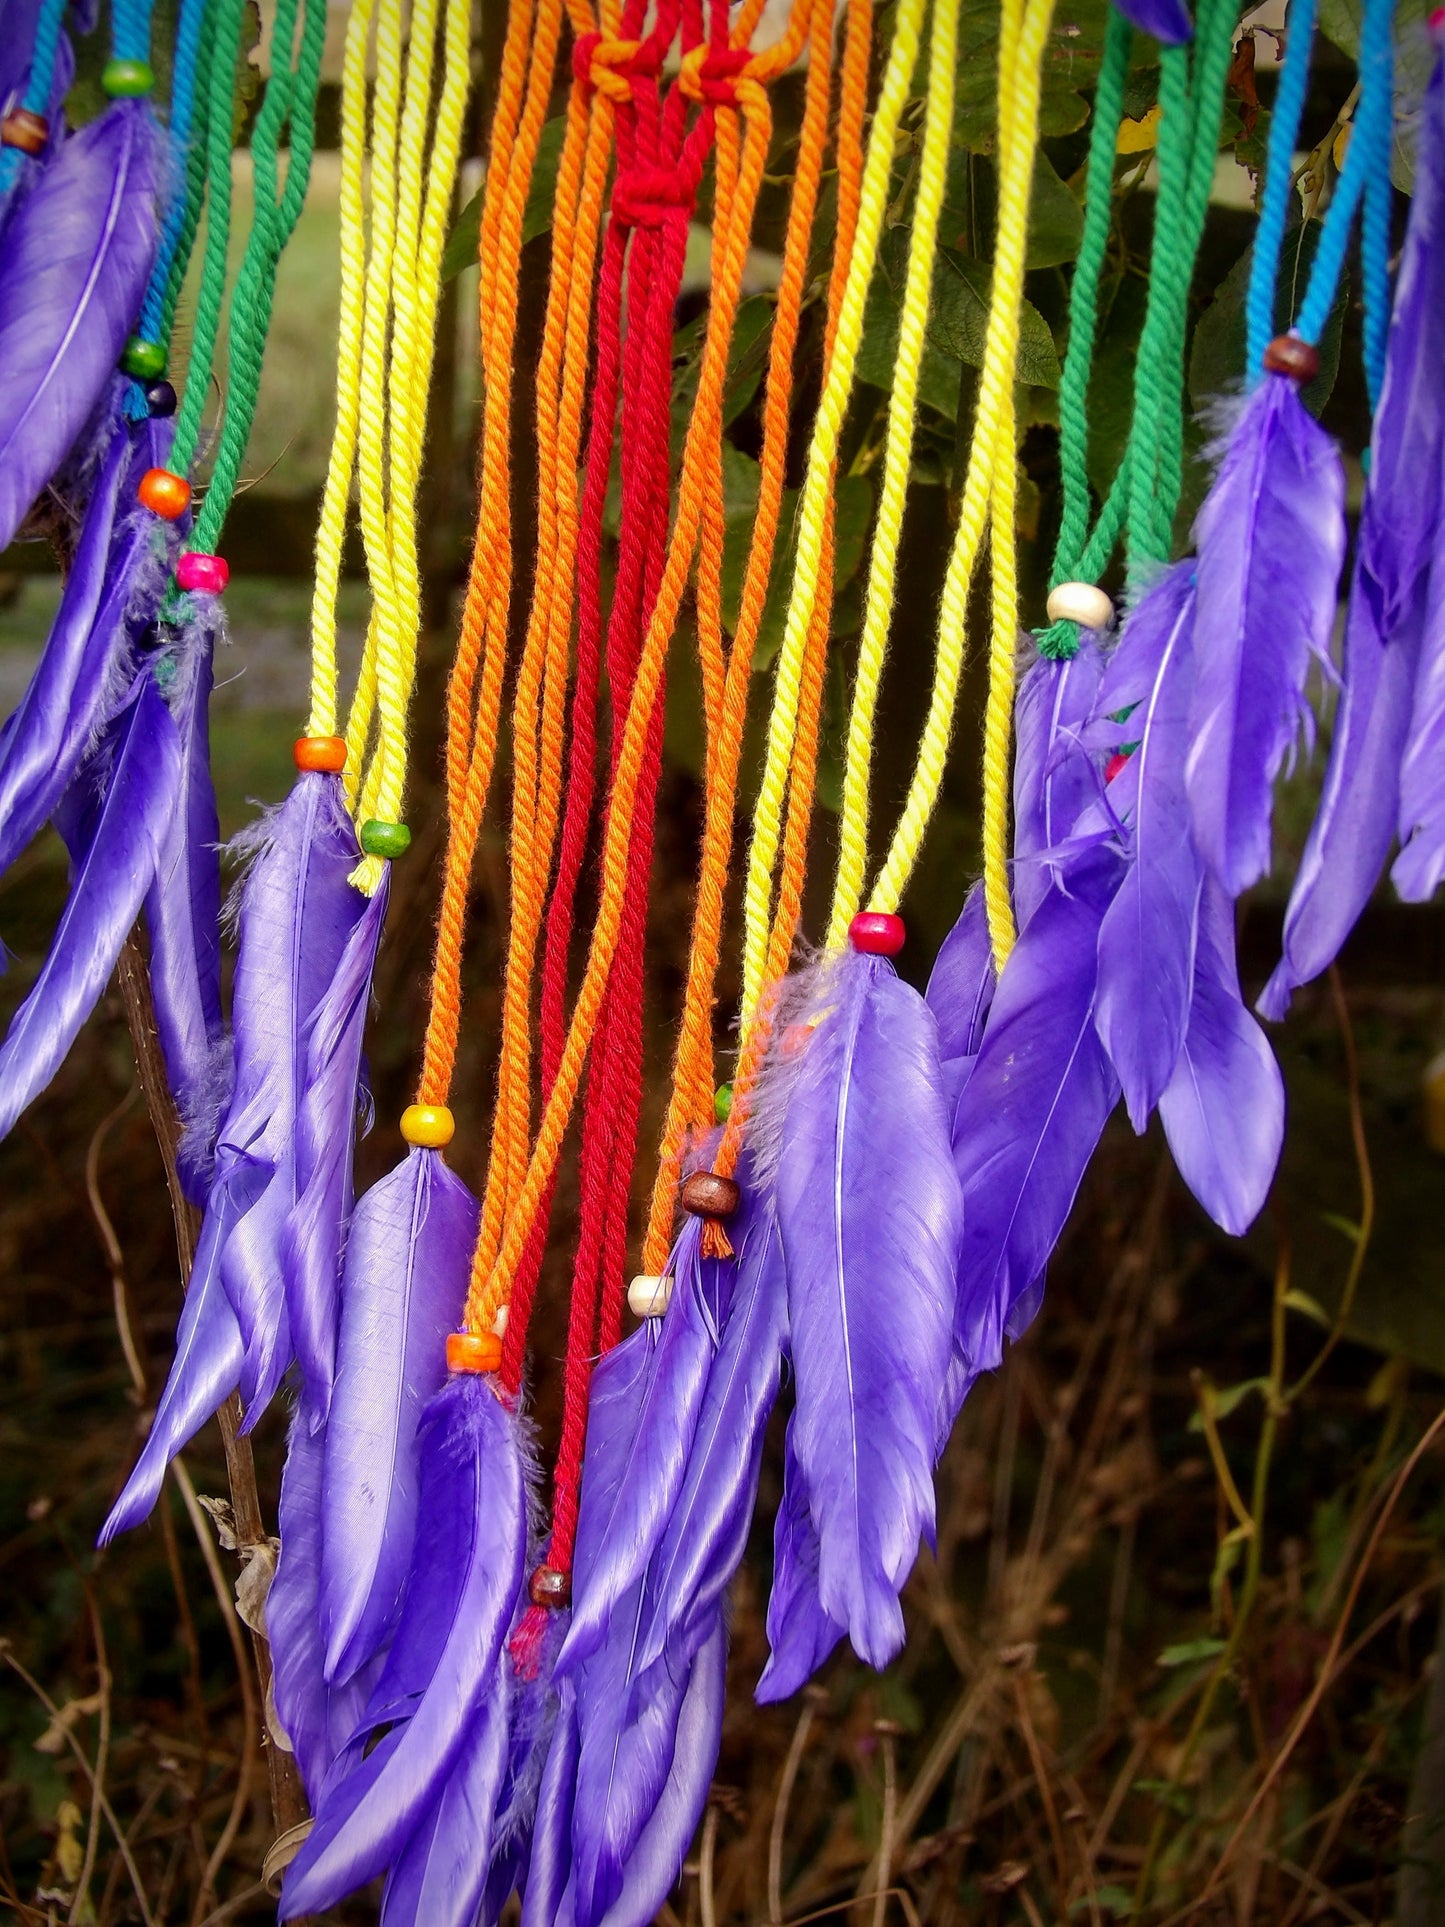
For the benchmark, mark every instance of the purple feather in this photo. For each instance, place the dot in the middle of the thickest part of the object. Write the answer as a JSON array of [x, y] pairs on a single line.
[[445, 1662], [317, 1719], [78, 251], [440, 1877], [1223, 1109], [960, 995], [550, 1858], [183, 916], [1039, 1097], [324, 1143], [869, 1212], [1355, 822], [1167, 20], [627, 1515], [204, 1371], [106, 891], [707, 1531], [1421, 863], [1407, 467], [18, 21], [297, 912], [533, 1715], [1271, 541], [800, 1634], [1146, 940], [408, 1258], [1054, 778]]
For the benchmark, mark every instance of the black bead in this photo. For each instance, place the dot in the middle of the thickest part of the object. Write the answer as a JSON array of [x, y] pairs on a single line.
[[161, 398]]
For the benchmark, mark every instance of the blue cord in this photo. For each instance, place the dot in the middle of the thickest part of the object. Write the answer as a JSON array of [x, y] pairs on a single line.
[[182, 118], [130, 29], [1284, 126], [36, 98], [1368, 141], [1375, 247]]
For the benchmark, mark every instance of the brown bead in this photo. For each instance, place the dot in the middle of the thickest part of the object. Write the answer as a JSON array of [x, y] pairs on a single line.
[[29, 132], [548, 1587], [706, 1195], [1288, 355]]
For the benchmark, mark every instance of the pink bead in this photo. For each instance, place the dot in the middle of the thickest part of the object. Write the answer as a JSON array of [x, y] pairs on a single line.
[[1437, 22], [876, 933], [1117, 762], [201, 574]]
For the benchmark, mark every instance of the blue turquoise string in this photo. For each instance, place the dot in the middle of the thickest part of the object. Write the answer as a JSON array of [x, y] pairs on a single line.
[[36, 98], [1284, 127], [1375, 246], [1372, 130], [130, 29], [182, 121]]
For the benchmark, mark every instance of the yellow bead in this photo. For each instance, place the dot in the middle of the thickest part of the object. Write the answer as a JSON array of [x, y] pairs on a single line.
[[429, 1125]]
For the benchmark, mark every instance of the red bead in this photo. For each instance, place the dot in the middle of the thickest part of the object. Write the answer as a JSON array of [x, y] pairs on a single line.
[[1116, 762], [1437, 22], [877, 933], [473, 1351], [1288, 355], [202, 574], [164, 494], [29, 132], [320, 752]]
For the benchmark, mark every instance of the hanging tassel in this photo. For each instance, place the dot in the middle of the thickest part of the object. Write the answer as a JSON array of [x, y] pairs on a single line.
[[1223, 1108], [1271, 541], [444, 1673], [869, 1213], [78, 250], [317, 1719], [108, 885], [1146, 939], [323, 1148], [408, 1259]]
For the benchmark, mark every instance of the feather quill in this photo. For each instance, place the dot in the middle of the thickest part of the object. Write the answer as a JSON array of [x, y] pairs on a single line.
[[1271, 541], [869, 1214], [1146, 939], [78, 250], [107, 888], [408, 1258], [1223, 1109], [323, 1146], [444, 1664]]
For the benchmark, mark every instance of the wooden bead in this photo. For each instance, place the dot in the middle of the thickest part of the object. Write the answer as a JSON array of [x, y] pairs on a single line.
[[706, 1195], [876, 933], [649, 1297], [473, 1351], [320, 753], [201, 574], [160, 400], [384, 839], [429, 1125], [127, 79], [146, 360], [1288, 355], [548, 1587], [1080, 602], [164, 494], [29, 132]]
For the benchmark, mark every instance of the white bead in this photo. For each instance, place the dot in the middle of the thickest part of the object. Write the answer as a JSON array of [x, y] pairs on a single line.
[[499, 1322], [1080, 602], [649, 1297]]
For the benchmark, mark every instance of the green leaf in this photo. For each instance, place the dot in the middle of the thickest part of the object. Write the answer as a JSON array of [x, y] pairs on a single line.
[[462, 243], [1221, 1404], [1056, 221], [1108, 1900], [1216, 361], [958, 323], [1301, 1301], [1339, 21], [1070, 66], [1338, 1222], [1189, 1653], [1177, 1798]]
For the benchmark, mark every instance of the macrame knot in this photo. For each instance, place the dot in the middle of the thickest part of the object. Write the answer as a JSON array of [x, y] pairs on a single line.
[[651, 197], [709, 74], [605, 65]]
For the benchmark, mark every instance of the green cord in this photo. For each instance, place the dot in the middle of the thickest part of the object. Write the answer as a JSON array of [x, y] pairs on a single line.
[[220, 85], [195, 186], [290, 101]]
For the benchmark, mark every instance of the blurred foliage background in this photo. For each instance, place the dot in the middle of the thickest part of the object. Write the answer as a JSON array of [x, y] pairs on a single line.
[[1175, 1658]]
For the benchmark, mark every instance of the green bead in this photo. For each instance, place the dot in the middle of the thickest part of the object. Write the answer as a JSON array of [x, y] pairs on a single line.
[[722, 1103], [384, 839], [146, 360], [127, 79]]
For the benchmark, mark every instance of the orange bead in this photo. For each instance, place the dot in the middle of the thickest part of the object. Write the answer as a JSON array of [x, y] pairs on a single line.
[[320, 752], [473, 1351], [164, 494]]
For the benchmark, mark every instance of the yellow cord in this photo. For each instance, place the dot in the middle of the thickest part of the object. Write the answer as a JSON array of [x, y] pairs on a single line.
[[990, 491], [822, 451], [388, 328], [897, 460]]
